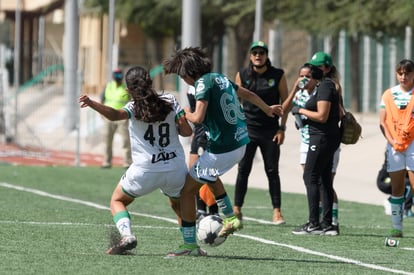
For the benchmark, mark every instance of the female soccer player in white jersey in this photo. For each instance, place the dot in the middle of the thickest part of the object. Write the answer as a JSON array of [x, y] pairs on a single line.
[[155, 121]]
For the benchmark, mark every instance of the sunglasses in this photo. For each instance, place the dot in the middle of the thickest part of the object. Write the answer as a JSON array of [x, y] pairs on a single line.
[[257, 53]]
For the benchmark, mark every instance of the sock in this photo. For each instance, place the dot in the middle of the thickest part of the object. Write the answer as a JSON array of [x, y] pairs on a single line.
[[188, 231], [397, 211], [335, 211], [213, 209], [320, 211], [122, 221], [225, 205]]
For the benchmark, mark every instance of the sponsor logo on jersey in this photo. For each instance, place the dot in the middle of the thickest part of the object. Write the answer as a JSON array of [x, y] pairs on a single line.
[[163, 156], [241, 133], [222, 82]]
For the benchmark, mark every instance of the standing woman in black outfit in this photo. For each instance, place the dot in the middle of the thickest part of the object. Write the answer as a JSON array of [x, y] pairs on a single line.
[[323, 113], [267, 133]]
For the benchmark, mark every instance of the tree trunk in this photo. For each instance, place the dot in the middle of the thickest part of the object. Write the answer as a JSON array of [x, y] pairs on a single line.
[[354, 42]]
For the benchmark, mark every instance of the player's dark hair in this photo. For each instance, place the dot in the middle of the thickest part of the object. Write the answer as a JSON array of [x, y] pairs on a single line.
[[252, 74], [148, 106], [405, 65], [190, 62], [306, 65]]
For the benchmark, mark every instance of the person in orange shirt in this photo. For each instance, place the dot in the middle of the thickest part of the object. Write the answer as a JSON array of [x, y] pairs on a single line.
[[397, 125]]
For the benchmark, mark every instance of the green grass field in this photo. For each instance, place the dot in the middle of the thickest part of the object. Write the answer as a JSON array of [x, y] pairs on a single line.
[[55, 220]]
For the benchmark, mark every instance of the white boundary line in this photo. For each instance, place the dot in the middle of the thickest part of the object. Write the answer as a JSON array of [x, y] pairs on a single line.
[[257, 239], [83, 224]]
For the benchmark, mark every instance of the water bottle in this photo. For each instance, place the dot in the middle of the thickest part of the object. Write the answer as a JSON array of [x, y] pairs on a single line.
[[298, 121], [303, 83]]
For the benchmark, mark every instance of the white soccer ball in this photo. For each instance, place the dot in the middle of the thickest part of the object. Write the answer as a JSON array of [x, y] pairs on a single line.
[[208, 229]]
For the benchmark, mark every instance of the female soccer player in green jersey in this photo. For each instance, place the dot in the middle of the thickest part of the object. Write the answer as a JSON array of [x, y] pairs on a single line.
[[219, 110]]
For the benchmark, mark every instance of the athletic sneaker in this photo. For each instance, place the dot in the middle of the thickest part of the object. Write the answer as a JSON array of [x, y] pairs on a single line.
[[187, 250], [230, 225], [330, 230], [308, 229], [125, 244], [395, 233]]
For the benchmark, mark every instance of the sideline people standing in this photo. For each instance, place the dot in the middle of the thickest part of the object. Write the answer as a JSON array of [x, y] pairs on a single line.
[[322, 110], [323, 60], [116, 96], [155, 121], [299, 97], [219, 110], [267, 133], [397, 126]]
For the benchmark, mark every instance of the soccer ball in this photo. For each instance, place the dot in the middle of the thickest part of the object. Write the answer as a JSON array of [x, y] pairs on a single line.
[[208, 229]]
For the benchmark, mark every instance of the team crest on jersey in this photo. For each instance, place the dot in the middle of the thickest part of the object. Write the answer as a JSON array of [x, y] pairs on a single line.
[[200, 87], [271, 82]]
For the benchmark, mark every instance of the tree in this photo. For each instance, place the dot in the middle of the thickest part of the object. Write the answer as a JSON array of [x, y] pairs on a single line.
[[356, 17], [320, 18]]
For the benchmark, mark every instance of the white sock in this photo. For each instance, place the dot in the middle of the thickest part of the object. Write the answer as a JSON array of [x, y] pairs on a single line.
[[124, 226], [397, 211]]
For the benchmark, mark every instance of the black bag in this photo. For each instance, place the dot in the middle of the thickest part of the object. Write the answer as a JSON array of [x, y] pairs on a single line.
[[384, 185], [350, 129]]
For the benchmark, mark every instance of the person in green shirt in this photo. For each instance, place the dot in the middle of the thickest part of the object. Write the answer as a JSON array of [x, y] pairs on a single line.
[[219, 111], [116, 96]]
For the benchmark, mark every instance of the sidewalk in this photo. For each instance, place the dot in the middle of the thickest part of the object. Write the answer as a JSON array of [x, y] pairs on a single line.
[[355, 179], [356, 174]]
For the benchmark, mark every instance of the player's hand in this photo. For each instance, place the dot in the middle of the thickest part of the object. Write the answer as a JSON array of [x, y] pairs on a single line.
[[84, 101], [187, 109], [276, 110], [399, 147], [279, 137]]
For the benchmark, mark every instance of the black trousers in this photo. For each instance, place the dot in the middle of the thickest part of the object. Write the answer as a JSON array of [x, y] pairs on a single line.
[[318, 176], [271, 154]]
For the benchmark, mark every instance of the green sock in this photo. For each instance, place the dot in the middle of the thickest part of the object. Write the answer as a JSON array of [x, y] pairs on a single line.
[[188, 231], [335, 211], [225, 205]]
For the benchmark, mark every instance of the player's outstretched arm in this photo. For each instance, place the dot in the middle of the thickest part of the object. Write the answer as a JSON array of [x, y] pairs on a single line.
[[256, 100], [108, 112]]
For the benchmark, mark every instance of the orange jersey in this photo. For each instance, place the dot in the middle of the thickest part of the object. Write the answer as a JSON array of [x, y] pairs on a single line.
[[399, 121]]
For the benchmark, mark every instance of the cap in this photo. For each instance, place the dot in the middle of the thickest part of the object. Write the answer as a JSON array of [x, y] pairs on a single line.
[[321, 58], [259, 44]]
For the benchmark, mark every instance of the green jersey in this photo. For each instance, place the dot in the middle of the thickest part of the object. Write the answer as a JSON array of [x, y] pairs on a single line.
[[224, 122]]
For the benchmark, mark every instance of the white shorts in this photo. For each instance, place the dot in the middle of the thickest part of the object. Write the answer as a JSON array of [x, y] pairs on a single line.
[[209, 166], [304, 151], [397, 161], [137, 182]]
